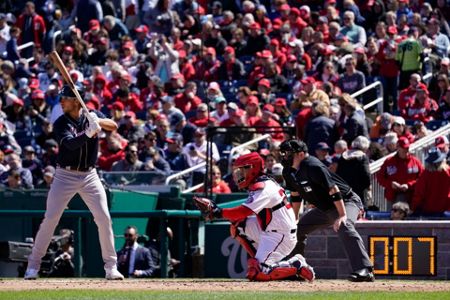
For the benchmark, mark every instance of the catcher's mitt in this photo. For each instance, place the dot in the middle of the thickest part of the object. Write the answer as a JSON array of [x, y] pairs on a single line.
[[209, 209]]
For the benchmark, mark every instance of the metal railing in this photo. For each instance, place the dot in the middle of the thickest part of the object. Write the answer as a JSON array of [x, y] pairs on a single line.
[[237, 148], [378, 100], [55, 35], [418, 149], [24, 46], [184, 172]]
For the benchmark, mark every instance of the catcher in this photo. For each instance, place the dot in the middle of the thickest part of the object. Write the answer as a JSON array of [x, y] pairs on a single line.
[[264, 225]]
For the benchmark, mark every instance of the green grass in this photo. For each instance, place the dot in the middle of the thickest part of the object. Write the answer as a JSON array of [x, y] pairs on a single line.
[[187, 295]]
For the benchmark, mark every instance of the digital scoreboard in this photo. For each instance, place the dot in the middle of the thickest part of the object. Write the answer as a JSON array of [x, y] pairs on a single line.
[[403, 255]]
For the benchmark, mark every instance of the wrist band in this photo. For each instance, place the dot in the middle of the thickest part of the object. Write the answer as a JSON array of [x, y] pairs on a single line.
[[336, 196]]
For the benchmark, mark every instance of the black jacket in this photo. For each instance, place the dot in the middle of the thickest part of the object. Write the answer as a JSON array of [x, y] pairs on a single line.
[[237, 71], [320, 129], [353, 167]]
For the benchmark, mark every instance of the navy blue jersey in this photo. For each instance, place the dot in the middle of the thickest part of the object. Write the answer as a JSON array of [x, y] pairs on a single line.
[[76, 150]]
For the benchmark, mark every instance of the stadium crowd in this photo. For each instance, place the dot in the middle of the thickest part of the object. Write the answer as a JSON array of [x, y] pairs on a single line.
[[168, 71]]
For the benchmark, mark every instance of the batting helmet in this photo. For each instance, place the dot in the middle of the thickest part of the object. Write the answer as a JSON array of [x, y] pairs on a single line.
[[67, 92], [247, 168]]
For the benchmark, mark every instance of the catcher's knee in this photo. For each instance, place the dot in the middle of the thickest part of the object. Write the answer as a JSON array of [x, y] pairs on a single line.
[[237, 232]]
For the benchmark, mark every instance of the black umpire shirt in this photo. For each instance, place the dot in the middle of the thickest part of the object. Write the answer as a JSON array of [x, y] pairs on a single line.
[[313, 183], [76, 150]]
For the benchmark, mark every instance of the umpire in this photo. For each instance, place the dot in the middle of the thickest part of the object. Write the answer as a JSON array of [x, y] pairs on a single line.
[[335, 204]]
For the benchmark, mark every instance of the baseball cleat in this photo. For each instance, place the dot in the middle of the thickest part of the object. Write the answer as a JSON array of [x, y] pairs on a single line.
[[31, 274], [363, 275], [113, 274], [305, 271]]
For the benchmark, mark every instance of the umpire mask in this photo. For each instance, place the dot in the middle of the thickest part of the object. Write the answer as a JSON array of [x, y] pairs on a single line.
[[287, 150]]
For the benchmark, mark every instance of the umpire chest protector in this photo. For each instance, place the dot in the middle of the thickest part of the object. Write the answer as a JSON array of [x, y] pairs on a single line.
[[77, 152]]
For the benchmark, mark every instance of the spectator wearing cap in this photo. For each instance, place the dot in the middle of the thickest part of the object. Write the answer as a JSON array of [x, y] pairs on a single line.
[[173, 153], [186, 66], [101, 90], [252, 111], [129, 128], [399, 173], [264, 89], [308, 94], [400, 128], [48, 176], [32, 163], [129, 100], [39, 111], [400, 211], [196, 154], [93, 33], [15, 165], [355, 33], [267, 120], [278, 56], [129, 56], [351, 80], [296, 22], [442, 144], [320, 128], [112, 150], [179, 124], [46, 77], [32, 26], [423, 108], [202, 117], [408, 94], [141, 40], [188, 100], [98, 56], [219, 186], [408, 57], [322, 152], [214, 39], [432, 191], [16, 113], [232, 68], [117, 111], [353, 167], [257, 40], [220, 112], [355, 124], [444, 107], [282, 112], [236, 119], [207, 67], [85, 11]]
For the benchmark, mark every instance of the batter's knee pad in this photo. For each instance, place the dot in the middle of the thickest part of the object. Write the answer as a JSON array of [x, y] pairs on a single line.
[[237, 232]]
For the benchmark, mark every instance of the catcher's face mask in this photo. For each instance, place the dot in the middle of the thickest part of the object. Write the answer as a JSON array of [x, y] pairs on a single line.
[[241, 176]]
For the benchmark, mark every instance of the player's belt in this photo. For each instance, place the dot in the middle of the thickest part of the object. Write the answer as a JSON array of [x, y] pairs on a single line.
[[280, 205], [292, 230], [78, 169]]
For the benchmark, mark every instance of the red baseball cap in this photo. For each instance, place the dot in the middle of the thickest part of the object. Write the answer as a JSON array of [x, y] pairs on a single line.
[[38, 94], [90, 105], [264, 82], [34, 83], [274, 42], [280, 102], [255, 25], [266, 54], [422, 87], [142, 29], [360, 50], [285, 7], [392, 30], [94, 24], [211, 50], [441, 141], [308, 80], [18, 101], [291, 58], [268, 107], [229, 50], [276, 24], [68, 49], [128, 45], [117, 106], [403, 142], [295, 11]]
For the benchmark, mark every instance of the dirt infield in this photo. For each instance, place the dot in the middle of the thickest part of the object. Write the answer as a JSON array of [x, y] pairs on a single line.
[[222, 285]]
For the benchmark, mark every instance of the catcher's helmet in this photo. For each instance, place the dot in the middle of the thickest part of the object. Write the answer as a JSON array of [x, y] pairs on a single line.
[[247, 168]]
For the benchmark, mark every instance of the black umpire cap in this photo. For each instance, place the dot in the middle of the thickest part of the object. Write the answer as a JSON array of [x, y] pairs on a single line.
[[294, 146], [67, 92]]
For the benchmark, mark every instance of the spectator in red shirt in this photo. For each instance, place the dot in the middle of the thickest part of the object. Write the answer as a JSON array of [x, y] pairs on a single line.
[[201, 117], [129, 100], [218, 185], [32, 26], [432, 192], [400, 128], [188, 100], [253, 112], [112, 150], [101, 91], [423, 109], [232, 68], [186, 66], [399, 173], [268, 121], [407, 95], [207, 68], [278, 57]]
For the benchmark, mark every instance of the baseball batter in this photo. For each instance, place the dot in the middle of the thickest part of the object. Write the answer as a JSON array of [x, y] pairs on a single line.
[[264, 225], [75, 173]]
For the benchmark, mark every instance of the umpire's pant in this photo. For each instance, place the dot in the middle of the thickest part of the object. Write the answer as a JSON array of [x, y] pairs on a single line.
[[353, 244]]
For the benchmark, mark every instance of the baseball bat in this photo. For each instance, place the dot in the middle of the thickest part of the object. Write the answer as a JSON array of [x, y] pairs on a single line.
[[58, 63]]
